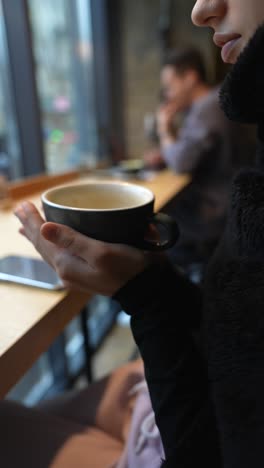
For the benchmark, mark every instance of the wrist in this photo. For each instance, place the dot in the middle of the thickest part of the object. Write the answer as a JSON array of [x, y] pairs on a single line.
[[167, 139], [165, 132]]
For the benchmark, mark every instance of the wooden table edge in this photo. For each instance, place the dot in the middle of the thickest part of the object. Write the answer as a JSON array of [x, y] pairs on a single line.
[[42, 334]]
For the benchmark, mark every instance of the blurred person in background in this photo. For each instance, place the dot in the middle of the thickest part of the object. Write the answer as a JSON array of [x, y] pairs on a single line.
[[195, 137], [183, 81]]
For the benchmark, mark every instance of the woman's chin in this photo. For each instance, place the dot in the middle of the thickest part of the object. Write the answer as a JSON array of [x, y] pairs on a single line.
[[242, 96]]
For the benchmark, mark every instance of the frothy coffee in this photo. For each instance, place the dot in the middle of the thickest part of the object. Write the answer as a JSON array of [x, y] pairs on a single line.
[[103, 197]]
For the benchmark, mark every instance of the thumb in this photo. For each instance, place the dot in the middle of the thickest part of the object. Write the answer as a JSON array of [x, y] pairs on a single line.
[[66, 238]]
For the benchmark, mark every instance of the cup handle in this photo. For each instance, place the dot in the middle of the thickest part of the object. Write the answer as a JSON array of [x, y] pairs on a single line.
[[172, 230]]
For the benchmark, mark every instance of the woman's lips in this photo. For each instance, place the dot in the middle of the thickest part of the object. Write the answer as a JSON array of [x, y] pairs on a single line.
[[227, 42], [228, 49]]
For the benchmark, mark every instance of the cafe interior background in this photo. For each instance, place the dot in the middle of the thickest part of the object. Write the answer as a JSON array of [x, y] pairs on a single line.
[[78, 78]]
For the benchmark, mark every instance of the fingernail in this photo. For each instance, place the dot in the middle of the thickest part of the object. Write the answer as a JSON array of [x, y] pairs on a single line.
[[25, 206], [51, 232], [16, 212]]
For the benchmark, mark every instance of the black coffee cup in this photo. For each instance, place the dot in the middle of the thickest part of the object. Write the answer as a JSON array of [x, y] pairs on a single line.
[[115, 212]]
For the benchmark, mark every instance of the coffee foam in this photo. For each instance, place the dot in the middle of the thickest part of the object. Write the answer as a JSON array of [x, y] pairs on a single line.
[[101, 197]]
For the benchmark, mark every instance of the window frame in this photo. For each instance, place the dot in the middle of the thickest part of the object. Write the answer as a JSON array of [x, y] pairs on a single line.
[[22, 74]]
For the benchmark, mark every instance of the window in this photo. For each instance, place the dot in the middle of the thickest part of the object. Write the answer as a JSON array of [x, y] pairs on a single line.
[[63, 51], [10, 157], [50, 99]]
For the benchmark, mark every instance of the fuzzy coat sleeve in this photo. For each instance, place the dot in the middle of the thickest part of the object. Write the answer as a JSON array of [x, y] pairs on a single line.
[[234, 326], [165, 308]]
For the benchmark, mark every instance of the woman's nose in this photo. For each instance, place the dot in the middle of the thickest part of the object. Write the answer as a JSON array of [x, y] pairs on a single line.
[[208, 12]]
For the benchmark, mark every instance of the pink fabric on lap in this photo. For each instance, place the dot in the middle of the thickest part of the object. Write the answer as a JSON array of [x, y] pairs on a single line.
[[143, 447]]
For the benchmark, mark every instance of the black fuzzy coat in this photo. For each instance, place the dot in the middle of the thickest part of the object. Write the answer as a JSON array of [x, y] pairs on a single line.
[[209, 406]]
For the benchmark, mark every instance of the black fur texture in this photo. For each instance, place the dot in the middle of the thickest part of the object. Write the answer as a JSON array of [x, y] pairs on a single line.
[[234, 285], [242, 93], [234, 324]]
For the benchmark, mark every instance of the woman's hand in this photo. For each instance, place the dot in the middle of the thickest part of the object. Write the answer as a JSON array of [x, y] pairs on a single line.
[[82, 263]]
